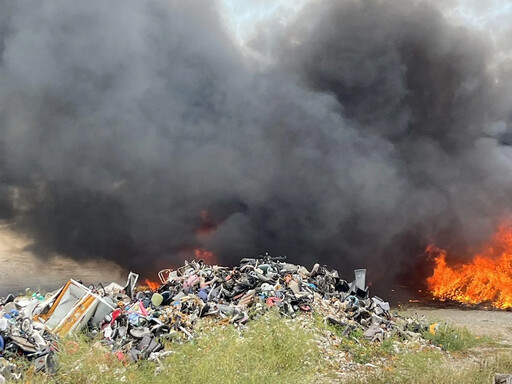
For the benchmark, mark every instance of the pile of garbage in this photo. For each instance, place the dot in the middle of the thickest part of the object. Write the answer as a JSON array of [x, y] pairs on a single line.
[[133, 322]]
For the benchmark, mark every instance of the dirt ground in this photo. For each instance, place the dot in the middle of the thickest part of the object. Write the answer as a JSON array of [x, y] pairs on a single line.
[[496, 324]]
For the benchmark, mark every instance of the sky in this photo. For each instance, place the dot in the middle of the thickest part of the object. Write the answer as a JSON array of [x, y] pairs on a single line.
[[492, 16]]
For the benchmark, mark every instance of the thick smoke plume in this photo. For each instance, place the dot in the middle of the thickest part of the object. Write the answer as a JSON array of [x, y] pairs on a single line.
[[137, 131]]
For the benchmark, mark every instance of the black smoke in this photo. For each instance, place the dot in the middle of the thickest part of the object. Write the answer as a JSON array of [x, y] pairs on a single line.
[[370, 132]]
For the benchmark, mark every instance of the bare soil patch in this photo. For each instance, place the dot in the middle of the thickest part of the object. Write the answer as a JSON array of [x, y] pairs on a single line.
[[492, 323]]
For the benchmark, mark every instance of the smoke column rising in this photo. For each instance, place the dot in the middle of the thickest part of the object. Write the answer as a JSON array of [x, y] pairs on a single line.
[[376, 128]]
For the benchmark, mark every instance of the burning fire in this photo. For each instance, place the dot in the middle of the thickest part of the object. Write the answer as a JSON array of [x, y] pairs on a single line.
[[207, 227], [486, 279], [208, 256], [152, 285]]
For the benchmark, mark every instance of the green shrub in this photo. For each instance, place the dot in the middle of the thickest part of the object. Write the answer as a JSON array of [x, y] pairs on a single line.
[[453, 338]]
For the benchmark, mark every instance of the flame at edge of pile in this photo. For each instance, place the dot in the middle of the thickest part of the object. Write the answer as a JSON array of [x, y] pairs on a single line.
[[487, 278]]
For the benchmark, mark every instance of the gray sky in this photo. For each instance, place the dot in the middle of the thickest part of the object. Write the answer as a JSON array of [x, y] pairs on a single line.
[[493, 16]]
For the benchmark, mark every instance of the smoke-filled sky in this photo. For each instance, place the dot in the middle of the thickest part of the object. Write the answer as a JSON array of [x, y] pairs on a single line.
[[352, 133]]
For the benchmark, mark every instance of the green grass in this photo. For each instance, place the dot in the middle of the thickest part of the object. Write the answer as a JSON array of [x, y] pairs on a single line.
[[360, 349], [452, 338], [427, 366], [363, 351], [271, 350], [431, 367]]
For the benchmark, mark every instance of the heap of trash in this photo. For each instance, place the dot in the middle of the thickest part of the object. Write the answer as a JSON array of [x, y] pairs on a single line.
[[134, 321]]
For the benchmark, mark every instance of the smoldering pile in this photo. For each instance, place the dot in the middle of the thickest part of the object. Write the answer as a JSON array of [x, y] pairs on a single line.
[[134, 322]]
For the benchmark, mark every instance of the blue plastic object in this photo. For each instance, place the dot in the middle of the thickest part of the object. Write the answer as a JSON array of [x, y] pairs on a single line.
[[203, 294]]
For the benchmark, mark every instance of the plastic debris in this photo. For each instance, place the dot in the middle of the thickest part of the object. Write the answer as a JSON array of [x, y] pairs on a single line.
[[134, 322]]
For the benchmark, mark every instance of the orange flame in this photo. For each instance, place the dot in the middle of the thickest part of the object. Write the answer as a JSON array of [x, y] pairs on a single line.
[[208, 256], [487, 278], [152, 284]]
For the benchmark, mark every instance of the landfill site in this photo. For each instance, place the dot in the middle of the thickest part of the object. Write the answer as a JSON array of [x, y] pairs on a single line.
[[133, 322], [243, 191], [139, 323]]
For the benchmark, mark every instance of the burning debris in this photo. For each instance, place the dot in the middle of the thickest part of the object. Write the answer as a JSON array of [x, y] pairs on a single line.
[[487, 279], [135, 323]]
